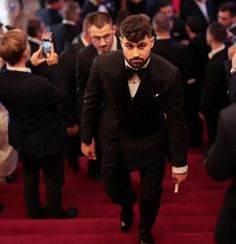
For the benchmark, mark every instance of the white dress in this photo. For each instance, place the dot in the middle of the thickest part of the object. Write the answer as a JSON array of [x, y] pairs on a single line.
[[8, 156], [10, 12]]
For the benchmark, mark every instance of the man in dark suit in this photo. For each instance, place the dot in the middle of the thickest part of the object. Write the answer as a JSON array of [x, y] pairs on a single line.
[[227, 17], [178, 31], [35, 28], [65, 32], [214, 91], [68, 66], [201, 8], [221, 165], [197, 60], [36, 128], [167, 47], [50, 15], [103, 40], [133, 101]]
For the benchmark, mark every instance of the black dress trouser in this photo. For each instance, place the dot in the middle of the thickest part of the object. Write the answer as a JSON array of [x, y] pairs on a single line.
[[52, 167], [118, 187]]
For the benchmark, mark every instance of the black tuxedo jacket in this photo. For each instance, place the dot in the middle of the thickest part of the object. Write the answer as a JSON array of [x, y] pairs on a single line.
[[214, 91], [35, 124], [221, 165], [63, 34], [174, 52], [68, 66], [135, 129]]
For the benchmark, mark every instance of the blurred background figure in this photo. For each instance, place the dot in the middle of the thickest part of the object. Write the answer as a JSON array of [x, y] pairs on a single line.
[[10, 12], [35, 28], [8, 156], [50, 14], [65, 32]]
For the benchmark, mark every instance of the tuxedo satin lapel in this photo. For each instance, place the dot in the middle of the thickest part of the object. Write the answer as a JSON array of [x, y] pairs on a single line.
[[119, 85]]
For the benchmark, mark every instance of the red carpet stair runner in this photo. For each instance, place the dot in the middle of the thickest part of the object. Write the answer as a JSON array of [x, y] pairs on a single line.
[[185, 218]]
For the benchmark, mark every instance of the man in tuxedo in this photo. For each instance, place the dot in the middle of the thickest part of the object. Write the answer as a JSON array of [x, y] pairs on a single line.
[[65, 32], [68, 66], [133, 101], [178, 31], [104, 40], [221, 165], [166, 46], [35, 28], [204, 9], [214, 90], [36, 129], [197, 60]]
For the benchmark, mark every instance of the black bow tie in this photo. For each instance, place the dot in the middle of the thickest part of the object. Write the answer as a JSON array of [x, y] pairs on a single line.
[[130, 72]]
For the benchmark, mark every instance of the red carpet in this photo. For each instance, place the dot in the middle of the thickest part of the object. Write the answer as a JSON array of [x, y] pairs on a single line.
[[186, 217]]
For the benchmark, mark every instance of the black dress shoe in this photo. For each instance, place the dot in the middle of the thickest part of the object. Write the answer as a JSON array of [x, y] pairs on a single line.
[[70, 213], [126, 219], [1, 207], [146, 237]]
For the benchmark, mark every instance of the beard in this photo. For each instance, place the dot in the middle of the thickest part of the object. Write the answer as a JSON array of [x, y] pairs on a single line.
[[137, 63]]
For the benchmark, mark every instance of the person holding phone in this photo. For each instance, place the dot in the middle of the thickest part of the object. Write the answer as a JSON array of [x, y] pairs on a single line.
[[36, 128]]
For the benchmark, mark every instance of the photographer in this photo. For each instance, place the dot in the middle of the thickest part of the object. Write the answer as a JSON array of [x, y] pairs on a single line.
[[36, 129]]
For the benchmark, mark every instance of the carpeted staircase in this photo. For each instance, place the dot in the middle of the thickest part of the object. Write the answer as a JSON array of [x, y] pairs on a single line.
[[185, 218]]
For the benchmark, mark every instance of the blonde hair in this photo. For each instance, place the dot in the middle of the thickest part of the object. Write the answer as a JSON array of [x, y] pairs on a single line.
[[12, 46]]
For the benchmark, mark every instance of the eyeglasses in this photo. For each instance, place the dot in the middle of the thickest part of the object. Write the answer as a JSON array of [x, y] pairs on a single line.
[[105, 38]]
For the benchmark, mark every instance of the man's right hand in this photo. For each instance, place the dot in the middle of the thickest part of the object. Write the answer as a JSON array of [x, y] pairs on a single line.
[[89, 150]]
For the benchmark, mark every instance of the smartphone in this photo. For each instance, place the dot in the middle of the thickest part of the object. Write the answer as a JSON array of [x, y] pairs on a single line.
[[46, 47]]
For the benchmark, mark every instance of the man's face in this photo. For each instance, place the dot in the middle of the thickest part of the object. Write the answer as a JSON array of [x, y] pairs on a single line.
[[168, 11], [225, 18], [102, 38], [137, 53]]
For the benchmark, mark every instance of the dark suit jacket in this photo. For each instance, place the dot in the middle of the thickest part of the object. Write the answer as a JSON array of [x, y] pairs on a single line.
[[178, 31], [232, 87], [221, 165], [49, 16], [174, 52], [135, 129], [214, 92], [190, 8], [35, 124], [68, 66], [84, 63], [63, 34]]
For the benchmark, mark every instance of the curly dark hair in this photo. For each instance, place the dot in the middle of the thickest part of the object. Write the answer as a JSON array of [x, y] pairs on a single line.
[[136, 27]]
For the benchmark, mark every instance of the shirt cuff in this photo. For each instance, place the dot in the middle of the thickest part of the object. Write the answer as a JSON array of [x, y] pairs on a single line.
[[179, 170]]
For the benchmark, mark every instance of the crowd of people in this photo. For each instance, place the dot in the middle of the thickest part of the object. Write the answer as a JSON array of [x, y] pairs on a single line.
[[126, 83]]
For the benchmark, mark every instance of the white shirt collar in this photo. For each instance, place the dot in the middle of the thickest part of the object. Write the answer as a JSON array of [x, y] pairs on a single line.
[[162, 38], [83, 40], [143, 67], [212, 53], [68, 22], [34, 39], [19, 69], [114, 45]]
